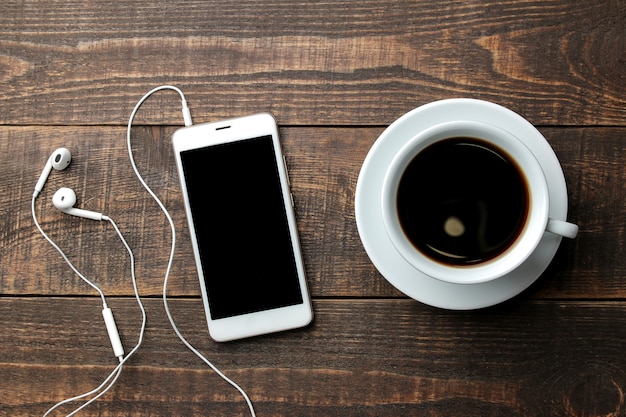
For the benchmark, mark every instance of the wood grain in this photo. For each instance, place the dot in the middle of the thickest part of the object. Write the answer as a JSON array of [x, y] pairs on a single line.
[[359, 358], [334, 74], [312, 63]]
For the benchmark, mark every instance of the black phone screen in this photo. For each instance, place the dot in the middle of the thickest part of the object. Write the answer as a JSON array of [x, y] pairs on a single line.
[[241, 227]]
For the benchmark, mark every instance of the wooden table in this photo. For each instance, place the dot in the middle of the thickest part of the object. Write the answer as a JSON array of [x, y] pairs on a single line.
[[335, 75]]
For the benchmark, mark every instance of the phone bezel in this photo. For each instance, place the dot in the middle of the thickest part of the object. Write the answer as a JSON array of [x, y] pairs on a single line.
[[266, 321]]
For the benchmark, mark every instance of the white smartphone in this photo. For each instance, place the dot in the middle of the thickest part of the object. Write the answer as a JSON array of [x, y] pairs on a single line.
[[243, 228]]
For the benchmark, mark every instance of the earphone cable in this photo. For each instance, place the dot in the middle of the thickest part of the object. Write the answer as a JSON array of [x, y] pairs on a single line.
[[114, 375], [101, 390], [188, 122], [65, 258]]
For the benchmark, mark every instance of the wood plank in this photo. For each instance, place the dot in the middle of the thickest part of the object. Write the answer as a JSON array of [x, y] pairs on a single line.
[[334, 74], [377, 357], [324, 164], [311, 63]]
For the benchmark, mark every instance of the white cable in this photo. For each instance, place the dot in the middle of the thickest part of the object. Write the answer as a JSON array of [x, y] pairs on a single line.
[[114, 375], [188, 122], [65, 258]]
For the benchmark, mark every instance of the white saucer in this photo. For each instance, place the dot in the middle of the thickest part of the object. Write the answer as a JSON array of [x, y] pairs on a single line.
[[388, 260]]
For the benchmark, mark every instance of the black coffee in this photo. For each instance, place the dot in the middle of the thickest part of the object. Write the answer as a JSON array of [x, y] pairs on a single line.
[[462, 201]]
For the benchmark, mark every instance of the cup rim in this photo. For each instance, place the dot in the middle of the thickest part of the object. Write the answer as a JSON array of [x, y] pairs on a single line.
[[531, 232]]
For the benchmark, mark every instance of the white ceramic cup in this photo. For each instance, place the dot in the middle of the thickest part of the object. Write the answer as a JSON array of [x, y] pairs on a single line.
[[537, 221]]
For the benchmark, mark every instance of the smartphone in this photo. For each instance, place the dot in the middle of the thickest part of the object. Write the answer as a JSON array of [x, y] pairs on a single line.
[[242, 225]]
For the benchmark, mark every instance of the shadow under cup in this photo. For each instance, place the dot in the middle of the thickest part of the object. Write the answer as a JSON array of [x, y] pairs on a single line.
[[465, 202]]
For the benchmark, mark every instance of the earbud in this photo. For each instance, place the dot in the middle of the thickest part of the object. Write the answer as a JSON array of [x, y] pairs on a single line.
[[65, 198], [59, 160]]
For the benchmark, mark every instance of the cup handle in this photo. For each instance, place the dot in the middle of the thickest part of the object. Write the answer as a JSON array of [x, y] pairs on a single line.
[[559, 227]]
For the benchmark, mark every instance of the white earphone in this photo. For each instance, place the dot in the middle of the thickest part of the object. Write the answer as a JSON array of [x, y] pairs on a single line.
[[59, 160], [65, 199]]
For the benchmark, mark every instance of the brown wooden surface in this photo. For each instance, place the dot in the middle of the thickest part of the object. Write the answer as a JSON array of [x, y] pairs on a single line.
[[334, 74]]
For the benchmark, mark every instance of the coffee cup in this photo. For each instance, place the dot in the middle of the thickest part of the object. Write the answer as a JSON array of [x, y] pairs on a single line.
[[467, 202]]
